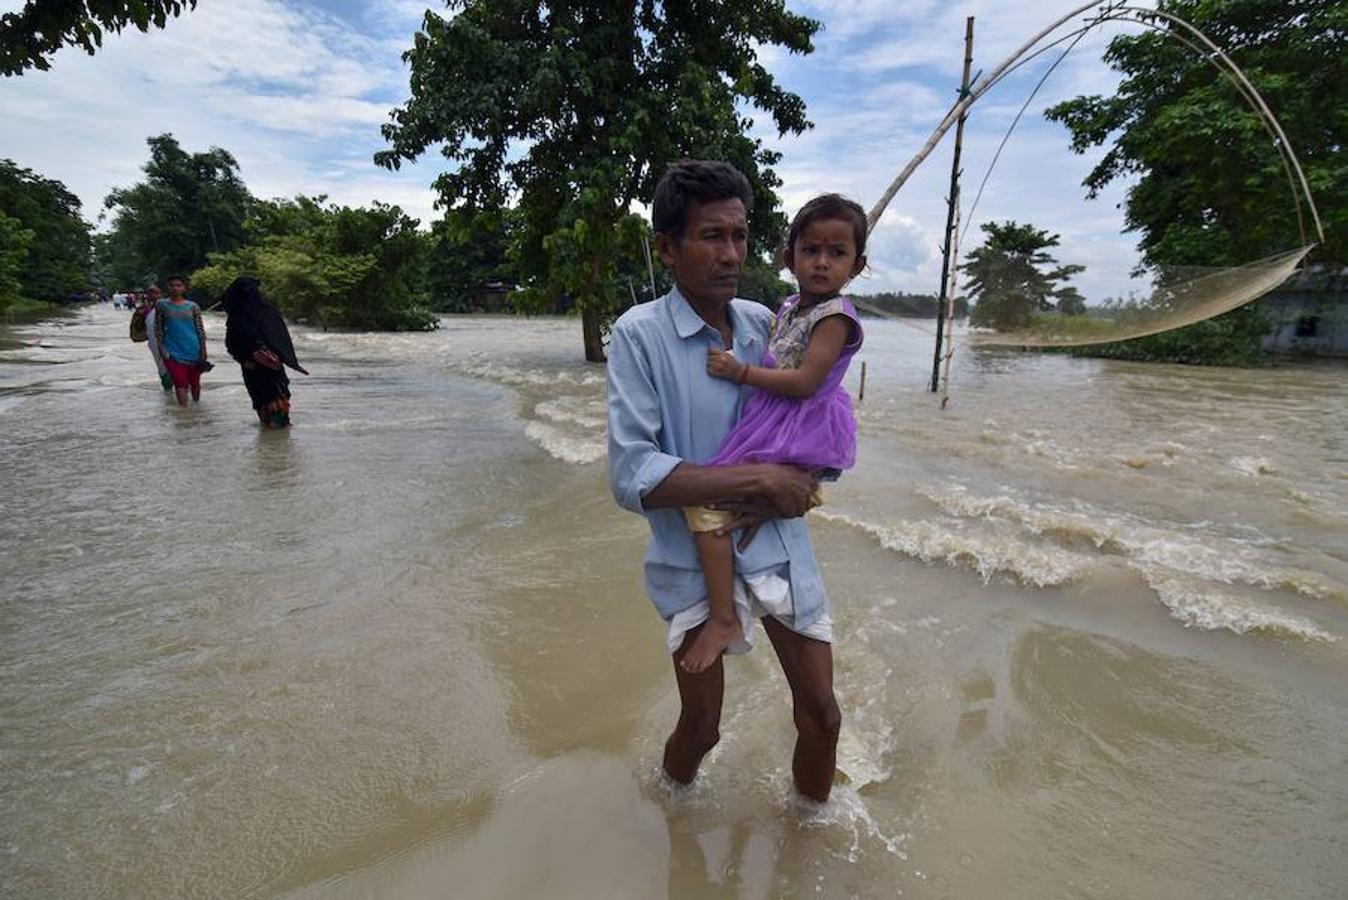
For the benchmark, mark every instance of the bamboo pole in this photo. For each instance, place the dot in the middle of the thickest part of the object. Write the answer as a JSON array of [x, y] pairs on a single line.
[[959, 108], [950, 314], [949, 250], [861, 393]]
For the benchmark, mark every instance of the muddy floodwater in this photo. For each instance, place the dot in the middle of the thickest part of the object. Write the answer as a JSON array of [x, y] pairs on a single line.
[[1091, 621]]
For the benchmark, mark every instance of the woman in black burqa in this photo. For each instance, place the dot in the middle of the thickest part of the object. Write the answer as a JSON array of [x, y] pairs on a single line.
[[256, 336]]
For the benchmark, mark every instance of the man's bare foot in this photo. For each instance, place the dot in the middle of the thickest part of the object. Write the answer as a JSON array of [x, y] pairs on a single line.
[[710, 643]]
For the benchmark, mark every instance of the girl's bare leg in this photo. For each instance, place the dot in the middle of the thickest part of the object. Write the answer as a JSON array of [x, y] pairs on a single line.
[[723, 626]]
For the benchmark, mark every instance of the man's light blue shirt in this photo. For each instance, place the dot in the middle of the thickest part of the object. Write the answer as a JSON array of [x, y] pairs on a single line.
[[664, 409]]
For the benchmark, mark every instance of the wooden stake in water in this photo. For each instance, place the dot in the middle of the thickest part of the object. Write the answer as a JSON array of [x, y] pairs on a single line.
[[949, 249], [861, 392]]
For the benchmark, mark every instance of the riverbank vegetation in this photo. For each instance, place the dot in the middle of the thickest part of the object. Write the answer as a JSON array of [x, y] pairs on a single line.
[[1012, 277], [45, 247]]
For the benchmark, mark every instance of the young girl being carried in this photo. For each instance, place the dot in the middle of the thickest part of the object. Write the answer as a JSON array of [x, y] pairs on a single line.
[[799, 414]]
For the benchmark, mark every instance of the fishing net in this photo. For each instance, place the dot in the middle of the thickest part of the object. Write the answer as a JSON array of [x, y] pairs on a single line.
[[1184, 296], [1175, 296]]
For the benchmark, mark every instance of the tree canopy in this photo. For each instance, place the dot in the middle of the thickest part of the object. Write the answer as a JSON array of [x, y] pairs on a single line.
[[1210, 188], [330, 264], [31, 36], [55, 258], [189, 205], [571, 110], [1011, 277], [14, 243]]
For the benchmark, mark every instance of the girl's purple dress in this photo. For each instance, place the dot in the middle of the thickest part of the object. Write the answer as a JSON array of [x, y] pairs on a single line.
[[816, 432]]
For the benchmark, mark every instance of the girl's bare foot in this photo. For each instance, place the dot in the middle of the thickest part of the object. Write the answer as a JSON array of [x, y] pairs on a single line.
[[710, 643]]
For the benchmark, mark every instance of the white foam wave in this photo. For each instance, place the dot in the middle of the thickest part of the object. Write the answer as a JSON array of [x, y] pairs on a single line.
[[845, 810], [521, 377], [586, 412], [1032, 564], [574, 450], [1210, 611], [1253, 465], [1225, 560]]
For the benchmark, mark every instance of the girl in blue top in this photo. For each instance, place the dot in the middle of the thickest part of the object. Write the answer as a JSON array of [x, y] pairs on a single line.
[[182, 340]]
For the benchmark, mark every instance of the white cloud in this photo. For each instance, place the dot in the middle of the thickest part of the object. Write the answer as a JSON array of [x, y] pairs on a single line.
[[287, 88]]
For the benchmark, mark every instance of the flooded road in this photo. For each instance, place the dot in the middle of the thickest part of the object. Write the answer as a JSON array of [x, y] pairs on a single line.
[[1091, 634]]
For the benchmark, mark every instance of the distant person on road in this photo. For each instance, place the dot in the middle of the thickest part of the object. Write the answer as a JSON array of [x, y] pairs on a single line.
[[182, 339], [151, 338], [257, 337]]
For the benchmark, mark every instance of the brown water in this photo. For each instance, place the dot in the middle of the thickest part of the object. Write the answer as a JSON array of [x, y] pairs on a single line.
[[1090, 635]]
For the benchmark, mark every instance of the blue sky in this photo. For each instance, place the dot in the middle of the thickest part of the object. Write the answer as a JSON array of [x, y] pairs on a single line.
[[297, 91]]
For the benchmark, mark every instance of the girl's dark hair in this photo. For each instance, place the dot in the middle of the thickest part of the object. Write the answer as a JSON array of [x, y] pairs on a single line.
[[829, 206], [695, 181]]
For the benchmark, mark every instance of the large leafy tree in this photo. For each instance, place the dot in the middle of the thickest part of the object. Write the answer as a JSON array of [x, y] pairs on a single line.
[[31, 36], [1012, 276], [56, 260], [189, 205], [570, 111], [1210, 189]]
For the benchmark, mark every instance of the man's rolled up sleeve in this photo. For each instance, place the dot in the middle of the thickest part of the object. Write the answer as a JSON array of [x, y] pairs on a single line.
[[636, 464]]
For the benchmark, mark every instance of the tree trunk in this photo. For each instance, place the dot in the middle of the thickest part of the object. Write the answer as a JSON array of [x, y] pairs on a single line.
[[594, 335]]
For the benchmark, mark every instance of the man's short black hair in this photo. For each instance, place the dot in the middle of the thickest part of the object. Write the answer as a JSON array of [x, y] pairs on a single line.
[[695, 181], [181, 278]]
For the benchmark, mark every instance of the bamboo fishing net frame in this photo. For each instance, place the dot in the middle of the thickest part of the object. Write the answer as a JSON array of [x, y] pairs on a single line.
[[1219, 291], [1121, 13]]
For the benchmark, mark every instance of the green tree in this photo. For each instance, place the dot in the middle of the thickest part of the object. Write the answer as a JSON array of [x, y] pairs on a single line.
[[467, 250], [1210, 189], [189, 205], [330, 265], [761, 281], [57, 261], [572, 110], [14, 243], [29, 37], [1011, 277]]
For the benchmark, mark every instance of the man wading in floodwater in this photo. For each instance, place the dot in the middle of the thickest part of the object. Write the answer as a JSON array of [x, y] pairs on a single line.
[[665, 415]]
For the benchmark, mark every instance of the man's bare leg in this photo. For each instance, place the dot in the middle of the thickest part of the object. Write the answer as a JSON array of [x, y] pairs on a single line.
[[723, 626], [698, 729], [808, 665]]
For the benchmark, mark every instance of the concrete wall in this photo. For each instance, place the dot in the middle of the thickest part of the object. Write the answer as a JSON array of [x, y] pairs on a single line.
[[1310, 316]]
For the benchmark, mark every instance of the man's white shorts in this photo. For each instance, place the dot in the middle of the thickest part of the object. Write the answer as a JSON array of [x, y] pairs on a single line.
[[762, 595]]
